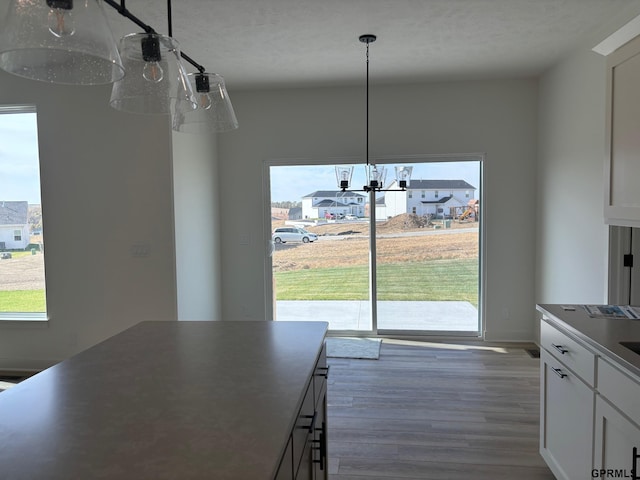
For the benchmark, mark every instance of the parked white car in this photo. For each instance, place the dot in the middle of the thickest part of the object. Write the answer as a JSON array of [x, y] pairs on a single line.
[[350, 217], [293, 234]]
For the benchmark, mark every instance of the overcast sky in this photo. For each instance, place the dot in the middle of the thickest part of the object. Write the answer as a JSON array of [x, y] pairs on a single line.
[[292, 183], [19, 166]]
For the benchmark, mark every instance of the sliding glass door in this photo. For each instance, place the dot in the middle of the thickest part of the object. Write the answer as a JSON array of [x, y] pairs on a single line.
[[327, 277], [421, 272], [428, 251]]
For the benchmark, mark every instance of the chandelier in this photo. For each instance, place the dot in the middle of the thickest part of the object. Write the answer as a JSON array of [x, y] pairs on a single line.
[[375, 175], [70, 42]]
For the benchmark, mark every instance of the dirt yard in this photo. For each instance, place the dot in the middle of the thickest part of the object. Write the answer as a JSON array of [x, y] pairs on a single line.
[[22, 273], [348, 244]]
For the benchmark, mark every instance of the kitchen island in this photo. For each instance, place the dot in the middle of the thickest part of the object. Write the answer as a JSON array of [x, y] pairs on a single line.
[[175, 400], [589, 393]]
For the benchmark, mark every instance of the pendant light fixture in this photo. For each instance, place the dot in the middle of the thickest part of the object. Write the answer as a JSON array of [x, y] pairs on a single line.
[[156, 81], [69, 42], [214, 113], [59, 41], [375, 175]]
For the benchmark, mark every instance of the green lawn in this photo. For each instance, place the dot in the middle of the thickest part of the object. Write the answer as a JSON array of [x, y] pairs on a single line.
[[31, 301], [428, 281]]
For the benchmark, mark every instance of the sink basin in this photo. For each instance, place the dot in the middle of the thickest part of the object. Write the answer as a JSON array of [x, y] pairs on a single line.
[[633, 346]]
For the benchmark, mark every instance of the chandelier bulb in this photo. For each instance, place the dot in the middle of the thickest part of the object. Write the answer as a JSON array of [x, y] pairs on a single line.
[[204, 100], [61, 22], [203, 88], [152, 72]]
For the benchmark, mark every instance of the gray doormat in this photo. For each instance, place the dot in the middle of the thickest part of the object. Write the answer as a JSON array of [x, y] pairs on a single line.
[[367, 348]]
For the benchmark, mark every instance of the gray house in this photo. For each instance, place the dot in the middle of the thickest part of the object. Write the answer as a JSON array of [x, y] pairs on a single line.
[[14, 225]]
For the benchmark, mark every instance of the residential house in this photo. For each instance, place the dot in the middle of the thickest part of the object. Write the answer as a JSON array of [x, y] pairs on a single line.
[[14, 225], [438, 198], [333, 203], [112, 180]]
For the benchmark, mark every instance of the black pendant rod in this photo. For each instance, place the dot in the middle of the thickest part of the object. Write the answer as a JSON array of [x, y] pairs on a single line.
[[122, 10], [368, 38]]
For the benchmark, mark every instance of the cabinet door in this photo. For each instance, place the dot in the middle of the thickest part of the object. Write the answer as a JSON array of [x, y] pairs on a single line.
[[285, 472], [622, 196], [305, 471], [566, 420], [320, 440], [615, 437]]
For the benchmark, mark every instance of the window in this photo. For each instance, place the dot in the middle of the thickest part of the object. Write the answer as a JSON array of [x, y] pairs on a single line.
[[466, 194], [22, 278], [424, 194], [410, 194], [436, 194]]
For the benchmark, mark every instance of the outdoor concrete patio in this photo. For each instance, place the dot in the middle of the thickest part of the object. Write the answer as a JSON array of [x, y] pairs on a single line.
[[355, 315]]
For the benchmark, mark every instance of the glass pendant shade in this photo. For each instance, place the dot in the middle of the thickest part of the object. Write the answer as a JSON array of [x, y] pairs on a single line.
[[403, 175], [343, 176], [59, 41], [156, 81], [214, 113], [376, 176]]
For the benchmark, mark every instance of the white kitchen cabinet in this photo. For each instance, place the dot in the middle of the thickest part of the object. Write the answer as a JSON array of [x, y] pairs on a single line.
[[622, 168], [566, 429], [590, 394], [617, 418], [615, 437]]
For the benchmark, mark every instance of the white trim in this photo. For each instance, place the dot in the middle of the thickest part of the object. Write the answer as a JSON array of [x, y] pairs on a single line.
[[618, 38], [23, 317]]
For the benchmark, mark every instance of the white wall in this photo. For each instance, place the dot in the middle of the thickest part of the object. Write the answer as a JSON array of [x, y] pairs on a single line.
[[195, 180], [106, 185], [496, 117], [571, 234]]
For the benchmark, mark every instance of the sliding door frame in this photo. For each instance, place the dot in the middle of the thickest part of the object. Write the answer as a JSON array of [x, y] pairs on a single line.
[[374, 332]]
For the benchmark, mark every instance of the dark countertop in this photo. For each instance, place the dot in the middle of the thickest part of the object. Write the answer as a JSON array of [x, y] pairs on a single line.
[[163, 400], [602, 334]]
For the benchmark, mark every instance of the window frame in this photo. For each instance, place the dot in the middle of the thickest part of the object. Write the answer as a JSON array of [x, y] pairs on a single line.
[[27, 317]]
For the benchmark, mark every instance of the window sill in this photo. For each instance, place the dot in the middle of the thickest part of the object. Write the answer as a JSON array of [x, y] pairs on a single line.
[[23, 317]]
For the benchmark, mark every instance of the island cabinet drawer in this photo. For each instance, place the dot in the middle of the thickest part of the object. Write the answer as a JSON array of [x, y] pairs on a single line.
[[620, 388], [567, 350]]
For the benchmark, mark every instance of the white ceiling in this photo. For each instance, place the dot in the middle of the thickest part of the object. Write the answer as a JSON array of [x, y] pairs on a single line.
[[284, 43]]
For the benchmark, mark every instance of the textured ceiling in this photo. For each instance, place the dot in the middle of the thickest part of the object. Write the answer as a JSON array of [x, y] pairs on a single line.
[[284, 43]]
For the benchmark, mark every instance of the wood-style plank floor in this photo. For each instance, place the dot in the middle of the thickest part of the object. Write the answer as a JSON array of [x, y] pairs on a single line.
[[435, 411]]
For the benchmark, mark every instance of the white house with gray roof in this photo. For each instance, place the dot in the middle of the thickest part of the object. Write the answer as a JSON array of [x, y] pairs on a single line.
[[323, 203], [14, 225], [427, 197]]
